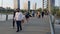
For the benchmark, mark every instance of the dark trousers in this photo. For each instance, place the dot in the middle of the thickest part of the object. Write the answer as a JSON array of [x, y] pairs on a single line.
[[18, 25], [33, 15], [13, 23], [39, 16], [42, 15]]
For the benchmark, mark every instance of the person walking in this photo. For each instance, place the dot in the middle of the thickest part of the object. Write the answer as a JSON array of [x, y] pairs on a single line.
[[27, 16], [18, 18], [42, 14], [13, 19], [38, 14], [33, 13]]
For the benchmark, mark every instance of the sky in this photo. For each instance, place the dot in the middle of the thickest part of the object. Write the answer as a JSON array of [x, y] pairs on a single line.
[[10, 3]]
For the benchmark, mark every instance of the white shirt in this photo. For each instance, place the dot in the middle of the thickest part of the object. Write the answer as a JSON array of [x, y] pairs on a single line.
[[18, 16]]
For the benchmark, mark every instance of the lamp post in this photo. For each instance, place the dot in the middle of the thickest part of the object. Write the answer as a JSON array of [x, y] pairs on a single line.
[[19, 4]]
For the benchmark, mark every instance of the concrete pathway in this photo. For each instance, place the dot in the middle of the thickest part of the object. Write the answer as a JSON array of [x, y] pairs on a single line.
[[34, 26]]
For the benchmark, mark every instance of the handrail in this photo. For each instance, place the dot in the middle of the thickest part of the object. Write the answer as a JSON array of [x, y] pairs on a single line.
[[51, 25]]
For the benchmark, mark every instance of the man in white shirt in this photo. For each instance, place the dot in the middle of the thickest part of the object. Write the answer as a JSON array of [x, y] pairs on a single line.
[[18, 18]]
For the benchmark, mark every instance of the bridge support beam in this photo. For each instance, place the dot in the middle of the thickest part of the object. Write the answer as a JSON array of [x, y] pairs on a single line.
[[49, 6], [42, 5]]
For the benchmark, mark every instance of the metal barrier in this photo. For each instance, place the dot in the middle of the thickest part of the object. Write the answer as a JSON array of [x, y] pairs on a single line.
[[4, 17], [52, 24]]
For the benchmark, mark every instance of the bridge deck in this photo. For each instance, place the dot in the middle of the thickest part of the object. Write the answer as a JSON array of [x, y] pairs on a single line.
[[34, 26]]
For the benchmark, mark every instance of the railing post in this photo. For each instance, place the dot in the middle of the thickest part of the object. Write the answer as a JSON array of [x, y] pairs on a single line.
[[6, 16]]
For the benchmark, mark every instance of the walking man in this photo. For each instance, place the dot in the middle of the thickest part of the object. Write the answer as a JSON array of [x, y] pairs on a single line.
[[18, 18]]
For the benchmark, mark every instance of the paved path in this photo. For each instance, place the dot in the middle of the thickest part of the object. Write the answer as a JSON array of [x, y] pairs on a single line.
[[57, 28], [57, 25], [34, 26]]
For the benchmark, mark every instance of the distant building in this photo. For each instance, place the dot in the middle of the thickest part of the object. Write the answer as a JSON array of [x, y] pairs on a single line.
[[28, 5], [34, 6], [52, 3], [25, 5], [49, 4], [16, 4]]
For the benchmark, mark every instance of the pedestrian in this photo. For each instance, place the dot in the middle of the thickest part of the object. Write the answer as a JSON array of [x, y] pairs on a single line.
[[23, 20], [18, 18], [42, 14], [27, 16], [38, 14], [13, 19], [33, 13]]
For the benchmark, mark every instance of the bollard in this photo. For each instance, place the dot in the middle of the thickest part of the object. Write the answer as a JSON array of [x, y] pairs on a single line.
[[6, 17]]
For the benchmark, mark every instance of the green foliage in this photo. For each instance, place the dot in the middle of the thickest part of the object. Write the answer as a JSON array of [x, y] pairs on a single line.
[[23, 11], [40, 9], [58, 13], [54, 10]]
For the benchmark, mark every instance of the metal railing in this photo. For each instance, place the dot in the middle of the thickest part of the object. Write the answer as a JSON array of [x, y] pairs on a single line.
[[52, 24]]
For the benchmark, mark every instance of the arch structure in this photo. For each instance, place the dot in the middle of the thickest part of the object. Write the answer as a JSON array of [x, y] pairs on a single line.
[[48, 4]]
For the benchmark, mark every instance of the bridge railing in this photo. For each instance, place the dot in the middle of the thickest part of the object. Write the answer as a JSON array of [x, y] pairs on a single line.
[[52, 20]]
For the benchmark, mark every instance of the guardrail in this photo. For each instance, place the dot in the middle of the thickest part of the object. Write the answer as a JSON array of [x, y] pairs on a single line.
[[5, 17], [52, 24]]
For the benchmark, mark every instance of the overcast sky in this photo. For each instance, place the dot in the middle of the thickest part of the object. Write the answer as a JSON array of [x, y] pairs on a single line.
[[10, 3]]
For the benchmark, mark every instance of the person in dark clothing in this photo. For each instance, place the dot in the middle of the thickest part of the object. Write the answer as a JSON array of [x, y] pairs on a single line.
[[42, 14], [19, 26], [27, 16], [13, 19]]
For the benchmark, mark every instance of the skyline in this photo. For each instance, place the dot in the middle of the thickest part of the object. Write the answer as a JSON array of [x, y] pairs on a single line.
[[10, 3]]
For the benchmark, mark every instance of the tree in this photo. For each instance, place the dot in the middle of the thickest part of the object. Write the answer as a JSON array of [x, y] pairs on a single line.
[[54, 10], [40, 9]]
